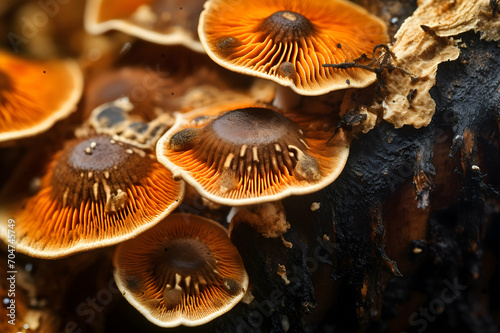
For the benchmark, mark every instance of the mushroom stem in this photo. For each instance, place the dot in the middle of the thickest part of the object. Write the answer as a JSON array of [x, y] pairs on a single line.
[[286, 99]]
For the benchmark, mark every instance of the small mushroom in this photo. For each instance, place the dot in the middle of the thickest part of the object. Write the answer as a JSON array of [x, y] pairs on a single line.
[[167, 22], [36, 94], [288, 41], [115, 119], [94, 192], [239, 154], [184, 271], [146, 90]]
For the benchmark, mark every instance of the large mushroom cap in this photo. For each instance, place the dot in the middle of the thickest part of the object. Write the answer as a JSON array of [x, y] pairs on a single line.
[[95, 192], [167, 22], [36, 94], [184, 271], [241, 154], [288, 41]]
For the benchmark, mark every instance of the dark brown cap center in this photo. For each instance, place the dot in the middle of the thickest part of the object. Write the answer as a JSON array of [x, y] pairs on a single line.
[[96, 154], [247, 142], [99, 169], [186, 257], [186, 267], [287, 26], [252, 126]]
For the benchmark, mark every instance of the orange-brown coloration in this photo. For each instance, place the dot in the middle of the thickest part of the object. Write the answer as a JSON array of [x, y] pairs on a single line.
[[260, 37], [248, 169], [145, 89], [184, 271], [158, 21], [94, 193], [35, 94], [111, 9]]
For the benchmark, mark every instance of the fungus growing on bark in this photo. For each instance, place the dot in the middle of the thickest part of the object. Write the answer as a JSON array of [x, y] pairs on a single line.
[[287, 41], [166, 22], [268, 219], [184, 271], [94, 192], [241, 154], [36, 94], [424, 41]]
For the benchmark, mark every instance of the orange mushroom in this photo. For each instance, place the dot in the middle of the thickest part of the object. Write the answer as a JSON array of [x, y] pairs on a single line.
[[184, 271], [240, 154], [35, 94], [94, 192], [159, 21], [287, 41]]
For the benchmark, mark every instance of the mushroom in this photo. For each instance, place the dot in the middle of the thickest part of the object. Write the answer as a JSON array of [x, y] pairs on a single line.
[[288, 41], [184, 271], [136, 105], [165, 22], [35, 94], [144, 88], [154, 91], [94, 192], [241, 154], [115, 119]]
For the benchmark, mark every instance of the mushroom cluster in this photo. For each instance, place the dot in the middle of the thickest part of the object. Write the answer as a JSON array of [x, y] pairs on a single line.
[[144, 137]]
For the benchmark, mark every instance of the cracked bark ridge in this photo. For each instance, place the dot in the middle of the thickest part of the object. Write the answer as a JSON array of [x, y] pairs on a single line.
[[464, 234]]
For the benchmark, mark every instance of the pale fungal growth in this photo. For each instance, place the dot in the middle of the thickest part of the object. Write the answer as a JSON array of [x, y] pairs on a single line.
[[422, 43], [268, 219], [287, 41], [240, 154], [94, 192], [315, 206], [116, 120], [282, 272], [36, 94], [184, 271], [167, 22]]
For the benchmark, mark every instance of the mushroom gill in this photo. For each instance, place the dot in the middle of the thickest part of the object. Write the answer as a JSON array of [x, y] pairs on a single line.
[[94, 192], [184, 271], [36, 94], [287, 41], [237, 154]]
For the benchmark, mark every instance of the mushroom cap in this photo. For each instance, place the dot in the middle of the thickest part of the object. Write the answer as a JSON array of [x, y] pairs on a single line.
[[117, 120], [94, 192], [155, 90], [142, 87], [166, 22], [287, 41], [241, 154], [184, 271], [36, 94]]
